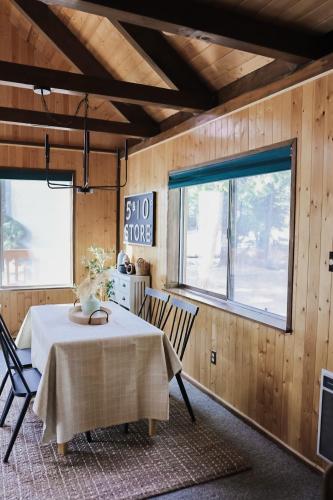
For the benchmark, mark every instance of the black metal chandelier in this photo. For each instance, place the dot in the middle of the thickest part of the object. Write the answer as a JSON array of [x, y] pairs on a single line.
[[85, 187]]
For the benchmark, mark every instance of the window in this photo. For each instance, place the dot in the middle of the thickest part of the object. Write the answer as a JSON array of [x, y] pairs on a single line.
[[36, 230], [235, 225]]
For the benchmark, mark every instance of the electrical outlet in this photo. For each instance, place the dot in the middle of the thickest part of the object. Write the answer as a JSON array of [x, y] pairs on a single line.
[[213, 357], [330, 262]]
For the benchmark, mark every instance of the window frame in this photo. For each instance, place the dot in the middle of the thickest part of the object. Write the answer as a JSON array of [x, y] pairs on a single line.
[[223, 301], [72, 218]]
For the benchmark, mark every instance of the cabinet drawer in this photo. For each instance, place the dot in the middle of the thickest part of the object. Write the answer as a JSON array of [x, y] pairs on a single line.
[[123, 299], [123, 286]]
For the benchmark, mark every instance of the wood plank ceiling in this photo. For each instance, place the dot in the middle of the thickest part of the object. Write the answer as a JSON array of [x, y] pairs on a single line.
[[130, 54]]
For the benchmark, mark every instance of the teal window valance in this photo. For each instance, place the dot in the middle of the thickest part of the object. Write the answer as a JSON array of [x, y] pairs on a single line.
[[32, 174], [263, 162]]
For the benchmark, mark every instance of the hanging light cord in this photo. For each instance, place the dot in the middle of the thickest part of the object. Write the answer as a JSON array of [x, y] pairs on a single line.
[[84, 100]]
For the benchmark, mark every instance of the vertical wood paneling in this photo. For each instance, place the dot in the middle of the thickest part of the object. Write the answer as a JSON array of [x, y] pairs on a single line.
[[271, 377]]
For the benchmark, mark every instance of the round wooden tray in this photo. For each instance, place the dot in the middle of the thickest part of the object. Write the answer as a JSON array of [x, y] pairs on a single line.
[[99, 317]]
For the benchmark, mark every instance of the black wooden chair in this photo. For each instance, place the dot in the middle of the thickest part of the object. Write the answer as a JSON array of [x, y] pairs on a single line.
[[24, 382], [179, 334], [181, 315], [24, 355], [154, 306]]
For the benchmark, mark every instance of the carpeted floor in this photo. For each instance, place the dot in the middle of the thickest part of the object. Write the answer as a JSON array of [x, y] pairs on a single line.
[[274, 475], [116, 465]]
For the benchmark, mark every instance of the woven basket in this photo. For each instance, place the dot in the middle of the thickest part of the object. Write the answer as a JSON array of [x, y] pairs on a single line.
[[142, 267]]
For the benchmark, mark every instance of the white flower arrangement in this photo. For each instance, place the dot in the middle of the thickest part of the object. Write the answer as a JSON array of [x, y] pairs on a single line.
[[100, 260], [98, 266]]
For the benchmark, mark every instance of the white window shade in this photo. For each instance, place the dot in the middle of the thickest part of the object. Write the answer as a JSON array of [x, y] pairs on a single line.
[[36, 233]]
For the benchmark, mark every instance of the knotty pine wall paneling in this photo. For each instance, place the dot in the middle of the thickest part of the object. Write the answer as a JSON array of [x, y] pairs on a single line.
[[268, 376]]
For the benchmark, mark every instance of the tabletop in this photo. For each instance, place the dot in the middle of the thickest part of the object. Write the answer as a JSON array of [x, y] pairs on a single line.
[[97, 376]]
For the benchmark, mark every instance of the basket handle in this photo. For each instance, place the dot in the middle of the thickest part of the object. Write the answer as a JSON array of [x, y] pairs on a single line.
[[98, 310]]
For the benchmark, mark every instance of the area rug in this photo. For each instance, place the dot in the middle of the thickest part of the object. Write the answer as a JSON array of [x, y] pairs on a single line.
[[116, 465]]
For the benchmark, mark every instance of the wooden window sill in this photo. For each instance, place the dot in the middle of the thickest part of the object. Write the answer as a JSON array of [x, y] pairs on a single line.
[[262, 317]]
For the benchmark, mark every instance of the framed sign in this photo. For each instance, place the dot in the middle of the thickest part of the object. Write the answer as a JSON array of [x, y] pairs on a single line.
[[139, 219]]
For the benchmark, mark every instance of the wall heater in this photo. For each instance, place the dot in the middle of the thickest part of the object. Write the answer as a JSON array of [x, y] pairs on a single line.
[[325, 424]]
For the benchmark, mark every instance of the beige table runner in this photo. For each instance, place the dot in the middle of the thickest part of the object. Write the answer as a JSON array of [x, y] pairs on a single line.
[[97, 376]]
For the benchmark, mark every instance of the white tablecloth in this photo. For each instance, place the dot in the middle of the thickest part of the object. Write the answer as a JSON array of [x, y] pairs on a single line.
[[97, 376]]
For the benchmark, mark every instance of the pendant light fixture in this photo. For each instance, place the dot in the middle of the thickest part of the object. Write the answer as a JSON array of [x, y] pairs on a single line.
[[85, 188]]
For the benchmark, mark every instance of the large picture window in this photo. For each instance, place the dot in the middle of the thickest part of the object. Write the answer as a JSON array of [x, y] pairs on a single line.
[[36, 230], [235, 231]]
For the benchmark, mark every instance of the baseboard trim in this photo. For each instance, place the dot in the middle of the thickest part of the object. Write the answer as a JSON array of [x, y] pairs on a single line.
[[253, 423]]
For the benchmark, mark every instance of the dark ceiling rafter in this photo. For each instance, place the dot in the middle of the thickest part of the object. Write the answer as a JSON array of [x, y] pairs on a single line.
[[271, 79], [63, 82], [256, 79], [155, 49], [164, 59], [28, 117], [58, 147], [247, 83], [70, 46], [214, 24]]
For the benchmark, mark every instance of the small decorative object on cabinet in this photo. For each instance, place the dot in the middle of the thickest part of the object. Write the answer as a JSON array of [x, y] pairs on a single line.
[[128, 290], [142, 267], [122, 259]]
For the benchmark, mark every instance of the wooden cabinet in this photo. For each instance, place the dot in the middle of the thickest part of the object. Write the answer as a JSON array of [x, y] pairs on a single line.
[[128, 290]]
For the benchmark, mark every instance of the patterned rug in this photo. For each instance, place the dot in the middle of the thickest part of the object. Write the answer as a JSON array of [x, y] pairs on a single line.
[[116, 465]]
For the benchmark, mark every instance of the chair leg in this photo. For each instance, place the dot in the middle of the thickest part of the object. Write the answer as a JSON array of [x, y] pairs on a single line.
[[88, 436], [185, 396], [3, 383], [6, 408], [126, 426], [17, 427]]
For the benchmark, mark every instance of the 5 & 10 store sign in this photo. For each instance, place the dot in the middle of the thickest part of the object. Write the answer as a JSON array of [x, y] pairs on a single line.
[[139, 219]]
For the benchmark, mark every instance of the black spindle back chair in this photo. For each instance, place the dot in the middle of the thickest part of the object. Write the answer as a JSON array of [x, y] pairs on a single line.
[[181, 315], [24, 355], [24, 382], [154, 306]]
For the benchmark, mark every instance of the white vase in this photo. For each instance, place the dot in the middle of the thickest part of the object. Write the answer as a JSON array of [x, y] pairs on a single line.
[[90, 305]]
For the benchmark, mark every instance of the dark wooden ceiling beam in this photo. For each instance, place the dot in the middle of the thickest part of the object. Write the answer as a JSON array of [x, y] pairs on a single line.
[[262, 83], [214, 24], [66, 42], [24, 76], [175, 71], [57, 121], [256, 79], [155, 49], [59, 147]]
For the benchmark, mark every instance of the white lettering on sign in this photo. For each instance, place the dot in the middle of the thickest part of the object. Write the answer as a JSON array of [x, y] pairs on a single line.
[[128, 210], [136, 232], [148, 233], [142, 234], [145, 208]]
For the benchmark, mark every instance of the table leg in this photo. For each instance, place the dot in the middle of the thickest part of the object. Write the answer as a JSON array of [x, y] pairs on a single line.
[[152, 427], [62, 448]]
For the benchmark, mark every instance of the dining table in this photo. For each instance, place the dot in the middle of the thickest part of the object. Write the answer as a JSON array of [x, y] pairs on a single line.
[[96, 376]]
